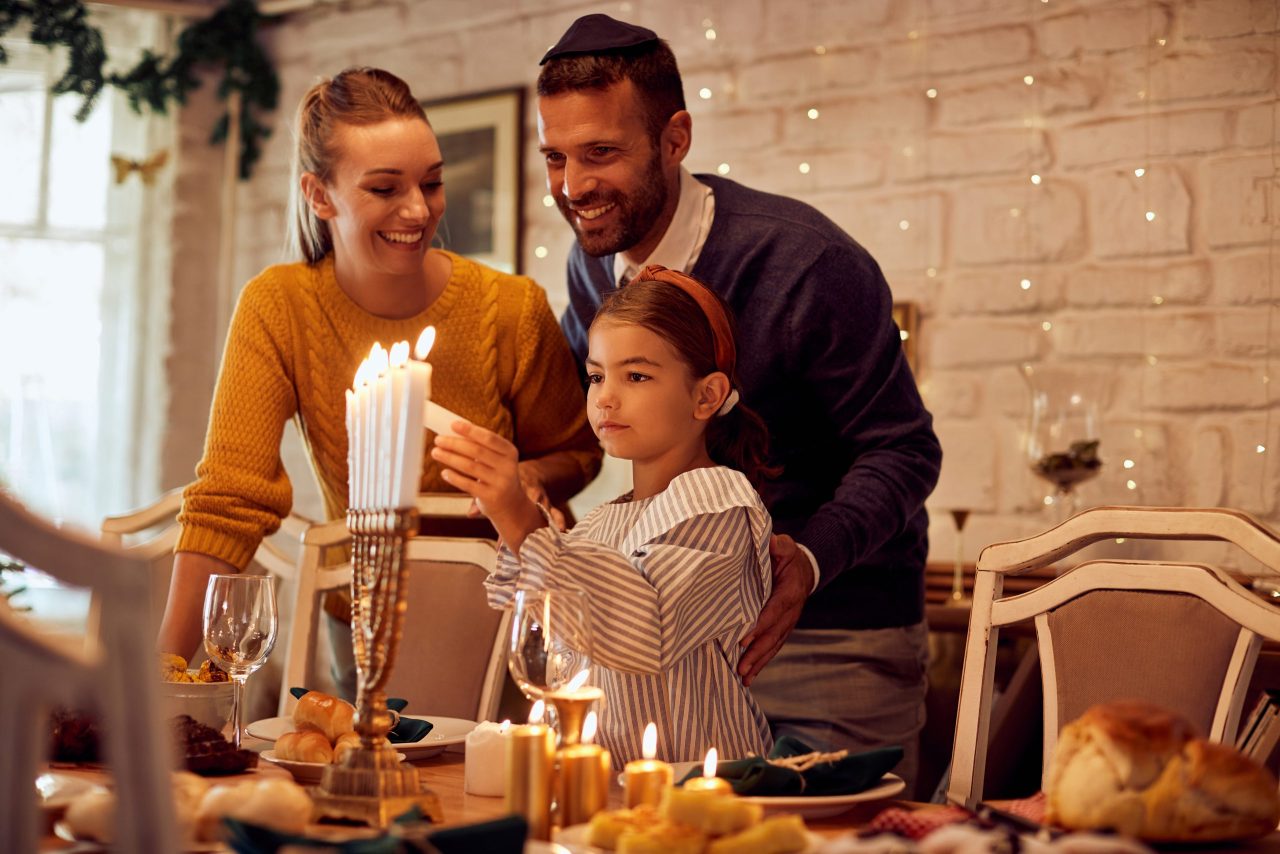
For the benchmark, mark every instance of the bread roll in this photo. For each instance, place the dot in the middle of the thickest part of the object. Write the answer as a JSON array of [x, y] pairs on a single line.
[[346, 743], [331, 716], [1137, 769], [281, 805], [93, 816], [306, 745]]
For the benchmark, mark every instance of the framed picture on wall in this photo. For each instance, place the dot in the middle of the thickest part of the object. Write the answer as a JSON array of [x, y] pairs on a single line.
[[907, 316], [482, 138]]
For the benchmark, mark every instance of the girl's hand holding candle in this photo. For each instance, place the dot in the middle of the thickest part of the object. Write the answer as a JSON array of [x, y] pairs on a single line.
[[646, 779]]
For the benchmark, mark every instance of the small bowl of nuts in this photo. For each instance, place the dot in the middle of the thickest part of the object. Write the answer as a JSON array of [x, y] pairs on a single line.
[[204, 693]]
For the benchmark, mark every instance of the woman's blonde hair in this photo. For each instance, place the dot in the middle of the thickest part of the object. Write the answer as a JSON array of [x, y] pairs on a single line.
[[354, 96]]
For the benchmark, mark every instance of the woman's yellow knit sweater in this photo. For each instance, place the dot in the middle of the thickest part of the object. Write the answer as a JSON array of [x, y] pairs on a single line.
[[293, 348]]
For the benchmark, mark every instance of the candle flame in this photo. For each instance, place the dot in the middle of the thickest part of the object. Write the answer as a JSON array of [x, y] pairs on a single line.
[[378, 360], [589, 727], [399, 354], [578, 681], [425, 342], [536, 713], [709, 767], [362, 374], [505, 725], [649, 744]]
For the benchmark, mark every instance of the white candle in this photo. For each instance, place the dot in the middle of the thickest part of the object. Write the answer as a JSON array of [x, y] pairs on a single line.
[[417, 390], [359, 463], [440, 420], [485, 772], [351, 444], [370, 430], [382, 428]]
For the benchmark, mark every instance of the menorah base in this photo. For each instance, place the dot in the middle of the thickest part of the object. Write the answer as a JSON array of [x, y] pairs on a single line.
[[372, 786]]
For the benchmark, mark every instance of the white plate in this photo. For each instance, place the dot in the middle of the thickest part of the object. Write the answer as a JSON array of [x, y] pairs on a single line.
[[573, 840], [444, 732], [62, 831], [820, 806], [303, 772], [56, 791]]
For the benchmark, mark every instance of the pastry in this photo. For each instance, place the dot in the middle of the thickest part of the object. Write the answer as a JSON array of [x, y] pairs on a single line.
[[324, 712], [306, 745], [1138, 769]]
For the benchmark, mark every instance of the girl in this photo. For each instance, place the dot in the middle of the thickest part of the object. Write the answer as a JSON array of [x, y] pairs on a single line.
[[676, 570], [368, 195]]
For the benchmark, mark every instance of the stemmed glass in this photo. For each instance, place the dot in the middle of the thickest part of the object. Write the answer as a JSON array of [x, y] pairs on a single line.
[[240, 625], [549, 654]]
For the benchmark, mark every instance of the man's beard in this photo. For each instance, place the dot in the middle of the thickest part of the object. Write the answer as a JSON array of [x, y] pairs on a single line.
[[633, 219]]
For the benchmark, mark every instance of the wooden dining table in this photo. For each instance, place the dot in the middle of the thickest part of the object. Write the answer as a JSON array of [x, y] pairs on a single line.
[[443, 774]]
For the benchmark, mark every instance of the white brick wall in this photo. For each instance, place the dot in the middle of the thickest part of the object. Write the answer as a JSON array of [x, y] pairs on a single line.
[[1196, 112]]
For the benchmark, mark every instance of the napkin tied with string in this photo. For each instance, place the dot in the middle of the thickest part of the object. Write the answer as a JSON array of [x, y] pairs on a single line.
[[831, 774], [406, 730]]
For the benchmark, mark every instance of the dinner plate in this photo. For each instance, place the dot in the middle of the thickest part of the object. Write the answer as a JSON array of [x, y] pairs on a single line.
[[444, 732], [63, 831], [55, 791], [303, 772], [573, 840], [820, 806]]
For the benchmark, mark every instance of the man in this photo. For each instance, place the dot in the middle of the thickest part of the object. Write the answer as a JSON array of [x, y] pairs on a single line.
[[819, 358]]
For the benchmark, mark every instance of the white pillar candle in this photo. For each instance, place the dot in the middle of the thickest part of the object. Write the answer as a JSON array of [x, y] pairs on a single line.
[[440, 420], [485, 772]]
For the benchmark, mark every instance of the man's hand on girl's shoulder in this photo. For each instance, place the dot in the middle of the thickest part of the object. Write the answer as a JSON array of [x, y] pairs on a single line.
[[792, 582]]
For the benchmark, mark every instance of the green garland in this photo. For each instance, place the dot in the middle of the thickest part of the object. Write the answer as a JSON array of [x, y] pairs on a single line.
[[228, 39]]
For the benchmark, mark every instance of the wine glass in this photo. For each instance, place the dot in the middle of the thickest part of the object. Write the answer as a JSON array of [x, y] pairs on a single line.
[[959, 517], [1063, 436], [240, 625], [549, 654]]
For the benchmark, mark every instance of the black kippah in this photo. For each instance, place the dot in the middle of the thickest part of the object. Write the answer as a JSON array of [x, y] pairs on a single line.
[[598, 34]]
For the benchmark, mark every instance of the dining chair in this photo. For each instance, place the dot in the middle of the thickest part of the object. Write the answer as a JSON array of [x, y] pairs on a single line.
[[151, 532], [1183, 635], [109, 670], [452, 656]]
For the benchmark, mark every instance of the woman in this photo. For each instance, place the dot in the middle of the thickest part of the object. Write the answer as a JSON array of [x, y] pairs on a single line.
[[370, 195]]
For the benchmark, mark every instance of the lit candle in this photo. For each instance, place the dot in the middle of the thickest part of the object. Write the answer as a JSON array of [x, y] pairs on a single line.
[[435, 417], [708, 782], [383, 432], [646, 779], [371, 429], [572, 702], [358, 472], [707, 803], [583, 787], [351, 447], [417, 389], [531, 773], [485, 772]]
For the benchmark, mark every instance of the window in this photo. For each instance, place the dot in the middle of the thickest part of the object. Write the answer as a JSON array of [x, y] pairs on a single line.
[[71, 291]]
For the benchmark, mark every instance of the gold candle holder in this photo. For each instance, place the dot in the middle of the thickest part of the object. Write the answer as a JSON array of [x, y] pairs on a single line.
[[571, 707], [371, 785], [644, 780], [531, 776]]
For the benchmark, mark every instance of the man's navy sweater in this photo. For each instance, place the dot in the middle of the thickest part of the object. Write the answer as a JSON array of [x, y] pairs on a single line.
[[821, 360]]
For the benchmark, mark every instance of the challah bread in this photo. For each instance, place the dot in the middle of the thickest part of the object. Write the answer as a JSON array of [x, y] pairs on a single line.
[[306, 745], [1137, 769], [346, 743], [278, 804], [327, 713]]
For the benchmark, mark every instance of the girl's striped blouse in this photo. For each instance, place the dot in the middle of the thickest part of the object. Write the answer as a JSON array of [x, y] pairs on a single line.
[[674, 582]]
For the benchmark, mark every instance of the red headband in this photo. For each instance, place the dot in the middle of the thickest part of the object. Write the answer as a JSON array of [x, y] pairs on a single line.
[[721, 330]]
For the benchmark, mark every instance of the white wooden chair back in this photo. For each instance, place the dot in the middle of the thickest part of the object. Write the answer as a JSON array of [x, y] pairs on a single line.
[[452, 656], [112, 670], [1101, 626]]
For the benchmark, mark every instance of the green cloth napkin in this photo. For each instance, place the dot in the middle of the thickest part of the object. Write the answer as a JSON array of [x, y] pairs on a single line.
[[501, 836], [756, 777], [406, 731]]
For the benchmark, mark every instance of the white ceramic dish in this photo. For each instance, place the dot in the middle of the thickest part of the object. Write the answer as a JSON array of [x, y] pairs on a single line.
[[825, 805], [55, 792], [573, 840], [444, 733], [62, 831], [303, 772]]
